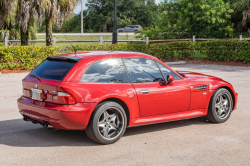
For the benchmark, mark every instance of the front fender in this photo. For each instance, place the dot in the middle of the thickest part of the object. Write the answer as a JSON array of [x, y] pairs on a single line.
[[214, 85]]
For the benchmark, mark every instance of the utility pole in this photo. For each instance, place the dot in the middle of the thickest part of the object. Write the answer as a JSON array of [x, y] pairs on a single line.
[[114, 41], [81, 16]]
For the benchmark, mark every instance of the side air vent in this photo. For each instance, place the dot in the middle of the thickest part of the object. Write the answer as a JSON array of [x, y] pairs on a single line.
[[203, 87]]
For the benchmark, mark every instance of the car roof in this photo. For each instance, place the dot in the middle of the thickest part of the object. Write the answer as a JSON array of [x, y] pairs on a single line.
[[115, 54]]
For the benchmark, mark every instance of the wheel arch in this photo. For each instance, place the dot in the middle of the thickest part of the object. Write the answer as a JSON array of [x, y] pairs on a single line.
[[231, 92], [122, 103]]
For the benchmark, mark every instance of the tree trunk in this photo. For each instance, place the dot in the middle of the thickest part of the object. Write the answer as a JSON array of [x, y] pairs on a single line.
[[24, 37], [48, 29]]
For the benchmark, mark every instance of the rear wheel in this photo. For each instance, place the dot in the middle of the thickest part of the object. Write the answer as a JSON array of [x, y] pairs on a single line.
[[120, 31], [107, 123], [220, 106]]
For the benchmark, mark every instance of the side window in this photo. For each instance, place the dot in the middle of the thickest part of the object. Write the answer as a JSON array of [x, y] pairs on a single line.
[[106, 71], [143, 70], [165, 71], [127, 27]]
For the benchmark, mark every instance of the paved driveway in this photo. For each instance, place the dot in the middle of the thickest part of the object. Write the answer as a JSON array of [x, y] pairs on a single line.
[[186, 142]]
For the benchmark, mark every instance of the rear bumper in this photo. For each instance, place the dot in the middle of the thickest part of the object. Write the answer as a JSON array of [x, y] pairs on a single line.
[[67, 117]]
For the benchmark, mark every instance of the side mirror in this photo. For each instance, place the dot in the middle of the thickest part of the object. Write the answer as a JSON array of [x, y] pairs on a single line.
[[170, 79]]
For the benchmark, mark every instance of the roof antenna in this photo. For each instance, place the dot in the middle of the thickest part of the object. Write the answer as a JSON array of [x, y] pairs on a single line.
[[70, 44]]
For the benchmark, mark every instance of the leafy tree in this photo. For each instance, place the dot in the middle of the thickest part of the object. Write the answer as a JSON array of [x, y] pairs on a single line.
[[202, 18], [100, 13], [185, 18]]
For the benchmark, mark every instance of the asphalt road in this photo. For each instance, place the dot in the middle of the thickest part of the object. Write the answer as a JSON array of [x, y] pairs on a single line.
[[186, 142]]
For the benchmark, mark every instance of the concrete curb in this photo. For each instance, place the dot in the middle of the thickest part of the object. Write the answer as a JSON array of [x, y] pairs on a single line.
[[176, 63]]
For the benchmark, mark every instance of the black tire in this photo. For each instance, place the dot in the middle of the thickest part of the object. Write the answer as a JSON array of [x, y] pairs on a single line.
[[120, 31], [113, 120], [219, 112]]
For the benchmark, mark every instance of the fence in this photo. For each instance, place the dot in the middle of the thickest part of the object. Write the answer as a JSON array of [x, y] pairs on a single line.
[[6, 41], [147, 41]]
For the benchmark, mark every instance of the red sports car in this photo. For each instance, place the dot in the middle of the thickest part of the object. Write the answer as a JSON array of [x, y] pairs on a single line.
[[104, 92]]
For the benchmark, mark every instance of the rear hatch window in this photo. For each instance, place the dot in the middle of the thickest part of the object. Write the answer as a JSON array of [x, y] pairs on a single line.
[[53, 69]]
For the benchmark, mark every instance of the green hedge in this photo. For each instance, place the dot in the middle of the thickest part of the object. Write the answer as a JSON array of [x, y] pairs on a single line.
[[225, 50], [161, 51], [28, 57], [24, 57]]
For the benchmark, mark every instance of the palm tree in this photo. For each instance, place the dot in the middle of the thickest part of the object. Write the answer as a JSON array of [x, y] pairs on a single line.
[[56, 11], [22, 13], [242, 6], [28, 12], [7, 15]]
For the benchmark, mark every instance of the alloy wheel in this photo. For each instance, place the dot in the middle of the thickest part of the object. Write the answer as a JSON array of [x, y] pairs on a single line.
[[111, 123], [223, 105]]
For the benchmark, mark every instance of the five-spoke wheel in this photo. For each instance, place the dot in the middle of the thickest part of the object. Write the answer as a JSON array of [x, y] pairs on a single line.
[[108, 123], [220, 107]]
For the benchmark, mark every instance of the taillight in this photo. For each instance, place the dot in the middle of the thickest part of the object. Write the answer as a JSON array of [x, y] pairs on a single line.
[[64, 98]]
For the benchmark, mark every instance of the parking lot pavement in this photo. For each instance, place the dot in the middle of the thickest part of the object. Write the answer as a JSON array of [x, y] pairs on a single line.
[[186, 142]]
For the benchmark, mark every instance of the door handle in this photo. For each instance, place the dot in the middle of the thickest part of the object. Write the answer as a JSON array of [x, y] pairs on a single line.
[[144, 91]]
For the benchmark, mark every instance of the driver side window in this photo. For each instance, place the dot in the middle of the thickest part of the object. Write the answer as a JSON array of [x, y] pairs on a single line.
[[143, 70]]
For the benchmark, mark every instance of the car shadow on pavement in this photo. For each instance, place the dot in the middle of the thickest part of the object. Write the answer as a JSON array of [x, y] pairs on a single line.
[[164, 126], [25, 134]]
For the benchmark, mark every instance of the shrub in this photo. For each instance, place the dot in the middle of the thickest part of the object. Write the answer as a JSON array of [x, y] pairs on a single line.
[[160, 50], [225, 50], [24, 57], [28, 57]]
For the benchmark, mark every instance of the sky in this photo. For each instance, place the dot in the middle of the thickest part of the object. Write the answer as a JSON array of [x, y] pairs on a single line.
[[78, 7]]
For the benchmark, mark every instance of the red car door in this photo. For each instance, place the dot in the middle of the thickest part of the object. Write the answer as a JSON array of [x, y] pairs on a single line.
[[156, 98]]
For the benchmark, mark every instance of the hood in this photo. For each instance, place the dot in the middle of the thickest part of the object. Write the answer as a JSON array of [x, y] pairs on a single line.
[[193, 78], [193, 75]]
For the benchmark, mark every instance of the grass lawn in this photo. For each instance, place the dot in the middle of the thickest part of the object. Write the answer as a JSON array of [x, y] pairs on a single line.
[[82, 37]]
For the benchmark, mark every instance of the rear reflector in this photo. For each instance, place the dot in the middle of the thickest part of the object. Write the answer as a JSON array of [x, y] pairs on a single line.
[[64, 98]]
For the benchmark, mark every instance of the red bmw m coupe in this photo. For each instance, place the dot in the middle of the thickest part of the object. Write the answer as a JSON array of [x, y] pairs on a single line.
[[104, 92]]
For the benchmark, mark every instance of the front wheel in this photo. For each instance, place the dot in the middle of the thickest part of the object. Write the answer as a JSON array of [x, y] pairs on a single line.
[[107, 123], [220, 106]]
